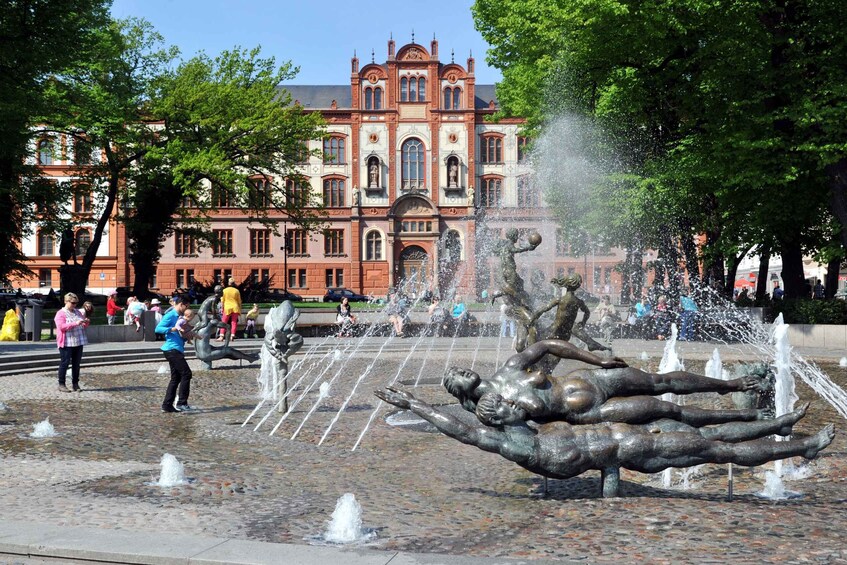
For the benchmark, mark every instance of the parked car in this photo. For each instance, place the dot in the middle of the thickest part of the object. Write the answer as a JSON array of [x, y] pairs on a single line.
[[336, 294], [279, 295]]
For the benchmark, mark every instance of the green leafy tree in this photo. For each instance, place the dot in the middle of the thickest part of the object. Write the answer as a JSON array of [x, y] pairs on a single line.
[[169, 135], [731, 113], [37, 38]]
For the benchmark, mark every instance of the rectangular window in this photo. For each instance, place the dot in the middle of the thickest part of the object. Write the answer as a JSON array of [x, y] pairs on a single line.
[[180, 278], [260, 242], [184, 244], [45, 278], [333, 243], [190, 275], [597, 275], [334, 278], [607, 277], [222, 275], [297, 278], [259, 275], [298, 240], [222, 244], [154, 278]]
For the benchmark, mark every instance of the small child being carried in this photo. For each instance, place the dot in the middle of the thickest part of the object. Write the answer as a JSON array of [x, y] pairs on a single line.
[[183, 327]]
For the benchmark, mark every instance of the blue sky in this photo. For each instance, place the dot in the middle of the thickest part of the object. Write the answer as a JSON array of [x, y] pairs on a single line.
[[318, 36]]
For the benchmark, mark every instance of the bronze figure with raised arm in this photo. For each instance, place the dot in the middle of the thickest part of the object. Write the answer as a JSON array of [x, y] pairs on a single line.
[[615, 393], [562, 451]]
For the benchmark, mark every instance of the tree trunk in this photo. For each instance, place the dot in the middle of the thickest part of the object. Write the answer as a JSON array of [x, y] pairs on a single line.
[[762, 281], [143, 268], [714, 269], [692, 263], [731, 272], [833, 269], [73, 278], [792, 269], [838, 196]]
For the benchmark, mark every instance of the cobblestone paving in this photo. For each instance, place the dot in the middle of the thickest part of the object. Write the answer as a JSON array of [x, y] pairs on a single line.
[[420, 491]]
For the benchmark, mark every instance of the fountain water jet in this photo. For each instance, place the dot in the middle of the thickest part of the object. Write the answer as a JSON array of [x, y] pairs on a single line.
[[172, 473], [43, 429], [345, 526]]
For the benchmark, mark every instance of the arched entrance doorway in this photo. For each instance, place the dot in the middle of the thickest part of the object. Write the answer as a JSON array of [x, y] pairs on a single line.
[[413, 270]]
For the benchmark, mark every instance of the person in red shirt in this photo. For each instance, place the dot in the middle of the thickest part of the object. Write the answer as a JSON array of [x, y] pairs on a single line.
[[112, 308]]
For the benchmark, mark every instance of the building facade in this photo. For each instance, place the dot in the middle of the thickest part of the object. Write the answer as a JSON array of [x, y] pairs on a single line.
[[417, 181]]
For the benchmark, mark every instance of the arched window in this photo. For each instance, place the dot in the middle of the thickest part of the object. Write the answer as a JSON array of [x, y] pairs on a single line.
[[491, 193], [45, 152], [373, 98], [452, 98], [83, 241], [334, 193], [491, 150], [334, 151], [412, 89], [46, 244], [413, 164], [373, 246]]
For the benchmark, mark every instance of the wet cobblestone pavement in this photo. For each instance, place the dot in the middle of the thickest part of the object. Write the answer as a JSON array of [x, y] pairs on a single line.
[[420, 491]]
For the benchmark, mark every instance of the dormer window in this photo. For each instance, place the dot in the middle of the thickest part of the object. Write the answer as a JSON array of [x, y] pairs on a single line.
[[452, 98], [412, 89], [373, 98]]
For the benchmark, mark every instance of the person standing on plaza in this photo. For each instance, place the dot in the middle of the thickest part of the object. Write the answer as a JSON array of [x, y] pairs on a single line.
[[174, 350], [508, 326], [112, 308], [252, 316], [231, 305], [70, 338], [607, 316], [687, 316]]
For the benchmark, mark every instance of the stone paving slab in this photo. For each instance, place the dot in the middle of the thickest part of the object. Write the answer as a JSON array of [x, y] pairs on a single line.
[[423, 494]]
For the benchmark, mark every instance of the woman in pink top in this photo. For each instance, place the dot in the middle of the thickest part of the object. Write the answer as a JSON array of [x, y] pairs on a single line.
[[70, 337]]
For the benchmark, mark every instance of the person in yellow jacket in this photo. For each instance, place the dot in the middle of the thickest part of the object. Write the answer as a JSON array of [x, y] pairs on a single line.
[[231, 305], [11, 327]]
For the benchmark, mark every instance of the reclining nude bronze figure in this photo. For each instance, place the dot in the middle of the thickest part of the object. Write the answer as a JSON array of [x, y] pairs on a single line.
[[614, 393], [560, 450]]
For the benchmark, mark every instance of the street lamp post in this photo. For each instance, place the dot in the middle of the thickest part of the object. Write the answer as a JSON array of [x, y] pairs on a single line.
[[285, 247]]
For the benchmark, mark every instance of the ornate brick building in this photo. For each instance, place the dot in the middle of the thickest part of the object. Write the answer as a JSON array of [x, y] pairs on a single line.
[[414, 178]]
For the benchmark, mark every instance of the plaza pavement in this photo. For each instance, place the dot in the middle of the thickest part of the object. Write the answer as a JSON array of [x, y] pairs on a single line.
[[86, 495]]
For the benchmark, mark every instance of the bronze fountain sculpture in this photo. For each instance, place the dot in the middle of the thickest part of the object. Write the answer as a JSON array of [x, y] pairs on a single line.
[[602, 418]]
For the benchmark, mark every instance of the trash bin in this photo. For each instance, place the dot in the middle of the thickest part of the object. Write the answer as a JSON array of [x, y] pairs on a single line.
[[33, 310]]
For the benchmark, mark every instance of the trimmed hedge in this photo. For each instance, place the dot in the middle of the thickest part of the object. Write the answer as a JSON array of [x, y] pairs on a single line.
[[806, 311]]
